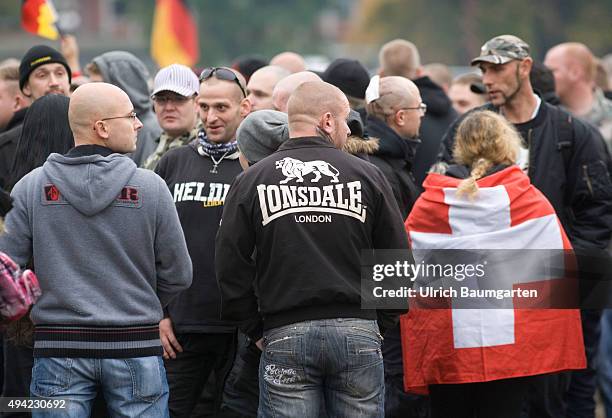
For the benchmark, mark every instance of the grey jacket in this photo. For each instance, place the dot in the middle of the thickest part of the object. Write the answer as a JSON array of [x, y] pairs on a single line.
[[127, 72], [105, 239]]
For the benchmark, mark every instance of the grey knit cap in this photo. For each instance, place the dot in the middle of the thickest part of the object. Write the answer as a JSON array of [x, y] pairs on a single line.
[[261, 133]]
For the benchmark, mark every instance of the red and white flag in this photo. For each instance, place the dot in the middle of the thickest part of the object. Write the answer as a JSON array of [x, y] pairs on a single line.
[[447, 346]]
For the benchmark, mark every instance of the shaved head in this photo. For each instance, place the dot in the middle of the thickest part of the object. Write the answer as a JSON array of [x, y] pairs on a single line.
[[261, 85], [395, 92], [576, 55], [286, 86], [92, 102], [398, 105], [291, 61], [573, 66], [399, 57], [238, 94], [317, 107]]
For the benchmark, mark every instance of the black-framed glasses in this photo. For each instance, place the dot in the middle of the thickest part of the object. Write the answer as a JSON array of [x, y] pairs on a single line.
[[222, 74], [132, 116], [421, 107]]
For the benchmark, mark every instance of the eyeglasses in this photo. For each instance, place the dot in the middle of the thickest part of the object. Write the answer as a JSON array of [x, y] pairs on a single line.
[[222, 74], [176, 99], [132, 116], [422, 107]]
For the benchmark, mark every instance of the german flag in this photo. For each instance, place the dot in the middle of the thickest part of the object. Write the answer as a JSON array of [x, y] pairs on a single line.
[[175, 35], [39, 17]]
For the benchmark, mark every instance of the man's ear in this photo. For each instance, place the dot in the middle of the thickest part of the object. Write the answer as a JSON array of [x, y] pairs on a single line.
[[245, 107], [326, 122], [525, 66], [19, 102], [101, 129], [26, 90], [399, 117]]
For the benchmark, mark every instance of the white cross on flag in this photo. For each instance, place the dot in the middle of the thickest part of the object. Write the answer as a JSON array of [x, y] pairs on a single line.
[[443, 346]]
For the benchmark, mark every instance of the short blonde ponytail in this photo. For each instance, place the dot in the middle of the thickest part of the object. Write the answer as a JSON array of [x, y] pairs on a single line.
[[484, 139]]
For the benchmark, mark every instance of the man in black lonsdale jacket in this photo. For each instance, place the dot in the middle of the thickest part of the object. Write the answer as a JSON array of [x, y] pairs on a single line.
[[567, 161], [308, 210]]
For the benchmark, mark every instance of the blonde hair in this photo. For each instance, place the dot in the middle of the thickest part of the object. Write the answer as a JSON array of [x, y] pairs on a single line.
[[483, 140]]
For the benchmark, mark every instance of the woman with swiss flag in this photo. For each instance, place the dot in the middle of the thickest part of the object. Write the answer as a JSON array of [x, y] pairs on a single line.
[[477, 362]]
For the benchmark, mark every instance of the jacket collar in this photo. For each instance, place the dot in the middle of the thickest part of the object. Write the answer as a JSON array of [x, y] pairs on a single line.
[[17, 119], [83, 150], [306, 142], [390, 143]]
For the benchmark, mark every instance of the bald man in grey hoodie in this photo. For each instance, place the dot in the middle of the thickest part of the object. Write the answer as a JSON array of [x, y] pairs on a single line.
[[129, 73], [109, 253]]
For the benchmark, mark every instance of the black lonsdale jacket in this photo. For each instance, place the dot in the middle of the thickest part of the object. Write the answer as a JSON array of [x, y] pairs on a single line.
[[569, 164], [307, 211]]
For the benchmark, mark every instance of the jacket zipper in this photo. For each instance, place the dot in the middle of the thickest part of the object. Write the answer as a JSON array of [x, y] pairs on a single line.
[[530, 157], [585, 172]]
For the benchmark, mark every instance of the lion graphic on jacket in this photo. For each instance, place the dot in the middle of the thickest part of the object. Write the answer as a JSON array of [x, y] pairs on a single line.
[[296, 169]]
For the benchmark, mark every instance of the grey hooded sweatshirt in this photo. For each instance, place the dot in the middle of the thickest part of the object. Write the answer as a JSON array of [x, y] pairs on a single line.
[[127, 72], [108, 250]]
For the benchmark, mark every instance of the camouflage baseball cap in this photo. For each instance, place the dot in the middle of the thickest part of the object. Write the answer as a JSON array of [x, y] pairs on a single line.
[[502, 49]]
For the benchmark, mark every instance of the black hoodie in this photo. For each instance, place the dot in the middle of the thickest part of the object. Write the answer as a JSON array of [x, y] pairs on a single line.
[[440, 114]]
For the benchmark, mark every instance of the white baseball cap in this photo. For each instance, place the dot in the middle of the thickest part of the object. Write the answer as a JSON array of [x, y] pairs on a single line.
[[178, 79]]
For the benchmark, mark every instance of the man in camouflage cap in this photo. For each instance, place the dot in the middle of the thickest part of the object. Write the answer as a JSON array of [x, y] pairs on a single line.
[[502, 49], [505, 64]]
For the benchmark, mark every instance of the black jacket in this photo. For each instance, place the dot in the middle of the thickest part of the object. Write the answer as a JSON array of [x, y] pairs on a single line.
[[8, 146], [308, 210], [199, 196], [440, 115], [571, 169], [394, 157]]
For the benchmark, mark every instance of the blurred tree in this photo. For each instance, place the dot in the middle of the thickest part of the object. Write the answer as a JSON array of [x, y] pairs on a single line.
[[453, 31]]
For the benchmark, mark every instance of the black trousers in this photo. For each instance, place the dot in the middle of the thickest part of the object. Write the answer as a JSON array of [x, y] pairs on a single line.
[[188, 373], [241, 392], [18, 362], [400, 404], [495, 399]]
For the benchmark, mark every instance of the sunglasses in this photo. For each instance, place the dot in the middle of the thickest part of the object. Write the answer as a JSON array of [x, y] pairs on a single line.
[[221, 74]]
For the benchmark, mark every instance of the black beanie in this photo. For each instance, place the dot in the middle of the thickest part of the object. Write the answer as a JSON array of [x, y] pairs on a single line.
[[40, 55], [348, 75]]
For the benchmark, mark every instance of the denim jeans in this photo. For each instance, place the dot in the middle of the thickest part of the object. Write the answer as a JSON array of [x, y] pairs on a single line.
[[132, 387], [335, 361]]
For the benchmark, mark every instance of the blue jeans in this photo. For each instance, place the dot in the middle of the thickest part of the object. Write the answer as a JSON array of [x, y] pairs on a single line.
[[335, 361], [132, 387]]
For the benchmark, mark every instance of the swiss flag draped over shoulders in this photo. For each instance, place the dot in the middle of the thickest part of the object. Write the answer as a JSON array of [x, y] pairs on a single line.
[[446, 346]]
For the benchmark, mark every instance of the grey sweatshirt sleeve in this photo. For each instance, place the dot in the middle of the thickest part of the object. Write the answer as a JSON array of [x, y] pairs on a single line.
[[16, 241], [173, 264]]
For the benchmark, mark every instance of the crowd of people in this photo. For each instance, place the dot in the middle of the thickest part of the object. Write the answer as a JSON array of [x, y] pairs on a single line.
[[198, 235]]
